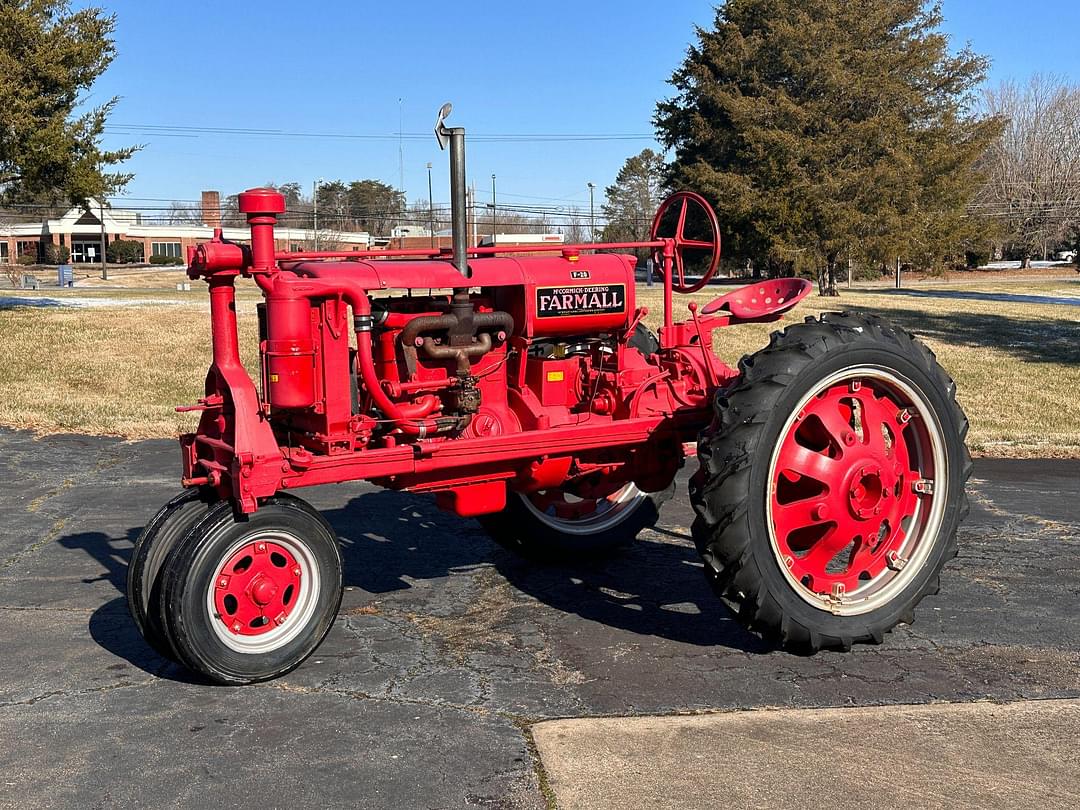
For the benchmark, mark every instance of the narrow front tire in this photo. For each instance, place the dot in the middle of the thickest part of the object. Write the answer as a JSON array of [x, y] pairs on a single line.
[[247, 598]]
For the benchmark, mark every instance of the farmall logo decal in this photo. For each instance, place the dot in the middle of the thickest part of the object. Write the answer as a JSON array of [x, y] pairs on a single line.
[[599, 299]]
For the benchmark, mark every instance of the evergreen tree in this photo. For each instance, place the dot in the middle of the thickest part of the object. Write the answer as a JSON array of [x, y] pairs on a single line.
[[49, 57], [633, 198], [825, 130]]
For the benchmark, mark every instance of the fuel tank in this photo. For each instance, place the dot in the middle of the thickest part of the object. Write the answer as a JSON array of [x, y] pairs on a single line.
[[571, 294]]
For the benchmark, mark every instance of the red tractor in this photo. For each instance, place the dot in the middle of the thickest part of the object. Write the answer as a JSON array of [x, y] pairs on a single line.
[[526, 391]]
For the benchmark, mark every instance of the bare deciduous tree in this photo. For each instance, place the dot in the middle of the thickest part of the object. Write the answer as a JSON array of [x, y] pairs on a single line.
[[181, 213], [1033, 170]]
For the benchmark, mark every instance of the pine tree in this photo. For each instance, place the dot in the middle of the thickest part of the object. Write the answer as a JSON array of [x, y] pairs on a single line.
[[632, 199], [825, 130], [49, 57]]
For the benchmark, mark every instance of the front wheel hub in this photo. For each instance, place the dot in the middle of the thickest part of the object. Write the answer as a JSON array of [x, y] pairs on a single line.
[[257, 588]]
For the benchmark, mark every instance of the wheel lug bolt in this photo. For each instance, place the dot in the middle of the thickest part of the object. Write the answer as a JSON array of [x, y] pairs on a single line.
[[820, 512], [848, 437], [260, 547], [296, 571], [236, 626]]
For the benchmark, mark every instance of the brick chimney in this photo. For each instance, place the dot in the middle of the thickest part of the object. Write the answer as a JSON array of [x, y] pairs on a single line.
[[211, 209]]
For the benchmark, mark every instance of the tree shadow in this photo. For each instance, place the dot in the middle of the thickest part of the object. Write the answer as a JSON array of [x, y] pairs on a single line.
[[1034, 340], [652, 588], [18, 301]]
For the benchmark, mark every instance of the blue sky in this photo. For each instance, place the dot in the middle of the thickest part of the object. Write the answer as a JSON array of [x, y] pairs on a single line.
[[341, 67]]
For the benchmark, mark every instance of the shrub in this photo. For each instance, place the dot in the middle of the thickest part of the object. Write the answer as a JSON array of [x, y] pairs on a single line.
[[977, 258], [124, 251], [169, 260], [57, 254], [26, 260]]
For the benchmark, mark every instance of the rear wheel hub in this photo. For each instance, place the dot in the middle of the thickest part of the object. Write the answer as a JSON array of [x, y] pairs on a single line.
[[848, 503]]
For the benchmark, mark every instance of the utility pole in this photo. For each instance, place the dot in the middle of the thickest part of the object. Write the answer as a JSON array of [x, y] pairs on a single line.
[[315, 203], [492, 209], [592, 215], [472, 210], [431, 206], [898, 272], [101, 216]]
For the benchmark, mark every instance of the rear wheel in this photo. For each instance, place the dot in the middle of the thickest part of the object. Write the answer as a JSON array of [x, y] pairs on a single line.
[[831, 483], [248, 598], [155, 542], [558, 525]]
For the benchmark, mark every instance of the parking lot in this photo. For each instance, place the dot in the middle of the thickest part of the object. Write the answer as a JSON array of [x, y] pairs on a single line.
[[448, 648]]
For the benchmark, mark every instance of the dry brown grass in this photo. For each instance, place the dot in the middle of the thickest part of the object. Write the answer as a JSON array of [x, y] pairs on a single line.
[[107, 370], [160, 278], [1016, 365], [120, 370]]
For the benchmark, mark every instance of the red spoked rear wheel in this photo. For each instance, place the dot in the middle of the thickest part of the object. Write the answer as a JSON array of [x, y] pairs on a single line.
[[831, 483], [852, 489], [566, 524]]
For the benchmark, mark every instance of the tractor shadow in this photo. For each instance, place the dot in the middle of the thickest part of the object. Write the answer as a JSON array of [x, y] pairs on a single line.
[[111, 626], [654, 587], [389, 540]]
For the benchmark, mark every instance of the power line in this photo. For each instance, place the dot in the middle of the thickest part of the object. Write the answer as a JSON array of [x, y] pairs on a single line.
[[176, 130]]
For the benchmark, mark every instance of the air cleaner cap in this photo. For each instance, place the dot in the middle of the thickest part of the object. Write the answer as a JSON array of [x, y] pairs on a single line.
[[261, 201]]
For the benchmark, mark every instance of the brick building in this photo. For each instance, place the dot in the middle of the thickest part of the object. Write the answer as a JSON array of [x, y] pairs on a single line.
[[80, 231]]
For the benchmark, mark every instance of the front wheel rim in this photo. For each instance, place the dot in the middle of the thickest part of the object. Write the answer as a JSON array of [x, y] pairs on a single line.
[[857, 489], [264, 593], [564, 512]]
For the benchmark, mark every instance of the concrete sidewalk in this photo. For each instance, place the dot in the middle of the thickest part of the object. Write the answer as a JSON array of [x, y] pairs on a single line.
[[1016, 755]]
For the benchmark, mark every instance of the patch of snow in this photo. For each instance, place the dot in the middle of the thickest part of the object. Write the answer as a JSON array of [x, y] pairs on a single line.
[[11, 302]]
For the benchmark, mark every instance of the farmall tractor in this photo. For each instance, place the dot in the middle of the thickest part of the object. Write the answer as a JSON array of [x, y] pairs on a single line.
[[525, 391]]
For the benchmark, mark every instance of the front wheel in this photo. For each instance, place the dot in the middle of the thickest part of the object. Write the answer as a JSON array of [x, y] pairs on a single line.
[[556, 525], [248, 597], [152, 547], [831, 483]]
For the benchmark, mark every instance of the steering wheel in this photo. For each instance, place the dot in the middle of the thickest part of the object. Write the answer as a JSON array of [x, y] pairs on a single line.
[[686, 199]]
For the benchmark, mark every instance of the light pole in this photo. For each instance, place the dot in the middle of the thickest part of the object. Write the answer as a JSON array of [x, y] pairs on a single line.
[[101, 216], [592, 215], [492, 209], [315, 202], [431, 206]]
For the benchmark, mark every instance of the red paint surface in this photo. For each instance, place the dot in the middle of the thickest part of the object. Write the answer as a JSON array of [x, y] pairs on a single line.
[[343, 395]]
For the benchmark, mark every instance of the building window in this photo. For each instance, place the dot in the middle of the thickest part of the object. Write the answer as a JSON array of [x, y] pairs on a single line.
[[27, 248], [3, 252], [165, 249]]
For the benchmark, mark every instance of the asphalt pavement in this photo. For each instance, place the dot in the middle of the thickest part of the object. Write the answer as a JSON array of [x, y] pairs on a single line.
[[448, 649]]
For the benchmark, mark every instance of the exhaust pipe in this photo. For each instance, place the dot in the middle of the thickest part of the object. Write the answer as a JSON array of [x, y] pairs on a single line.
[[455, 137]]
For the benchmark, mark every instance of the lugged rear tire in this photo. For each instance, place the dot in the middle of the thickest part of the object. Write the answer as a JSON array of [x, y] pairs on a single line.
[[783, 481], [524, 528]]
